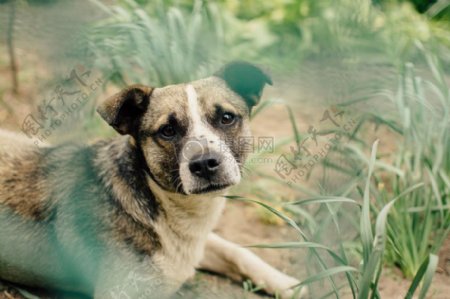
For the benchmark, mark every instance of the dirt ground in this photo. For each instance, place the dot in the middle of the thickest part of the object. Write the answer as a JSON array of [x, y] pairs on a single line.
[[241, 222]]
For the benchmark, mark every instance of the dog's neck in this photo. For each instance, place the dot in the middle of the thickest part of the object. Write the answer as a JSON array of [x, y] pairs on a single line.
[[196, 214], [184, 226], [119, 160]]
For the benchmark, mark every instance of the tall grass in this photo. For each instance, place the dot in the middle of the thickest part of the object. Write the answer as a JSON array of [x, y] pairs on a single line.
[[404, 202], [362, 281], [351, 30], [421, 119], [158, 45]]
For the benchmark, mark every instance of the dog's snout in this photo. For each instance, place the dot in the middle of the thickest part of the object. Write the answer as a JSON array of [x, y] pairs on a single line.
[[205, 166]]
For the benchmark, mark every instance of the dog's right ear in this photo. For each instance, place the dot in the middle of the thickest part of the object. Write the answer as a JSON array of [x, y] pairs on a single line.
[[246, 79], [123, 110]]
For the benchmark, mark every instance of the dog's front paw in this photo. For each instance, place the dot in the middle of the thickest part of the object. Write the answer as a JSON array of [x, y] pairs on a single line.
[[283, 285], [263, 275]]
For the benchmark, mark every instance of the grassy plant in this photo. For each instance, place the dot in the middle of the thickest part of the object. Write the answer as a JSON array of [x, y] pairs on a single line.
[[405, 202], [419, 224], [363, 282], [353, 30], [163, 46], [164, 42]]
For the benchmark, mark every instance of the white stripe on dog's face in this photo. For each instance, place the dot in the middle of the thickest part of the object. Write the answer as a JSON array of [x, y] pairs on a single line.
[[205, 140], [198, 128], [193, 106]]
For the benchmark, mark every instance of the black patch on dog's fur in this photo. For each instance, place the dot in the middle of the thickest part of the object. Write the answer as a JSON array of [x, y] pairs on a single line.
[[92, 190], [132, 167]]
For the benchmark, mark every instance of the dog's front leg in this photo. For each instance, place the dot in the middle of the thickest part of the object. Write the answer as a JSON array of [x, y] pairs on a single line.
[[128, 277], [227, 258]]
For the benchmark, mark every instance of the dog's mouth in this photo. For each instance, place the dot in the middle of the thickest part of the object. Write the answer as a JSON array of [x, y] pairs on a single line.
[[210, 188]]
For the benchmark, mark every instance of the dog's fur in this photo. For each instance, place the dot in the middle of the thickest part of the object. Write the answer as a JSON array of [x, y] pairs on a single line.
[[128, 215]]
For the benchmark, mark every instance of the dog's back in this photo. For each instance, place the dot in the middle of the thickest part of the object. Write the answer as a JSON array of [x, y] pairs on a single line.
[[22, 207], [27, 212], [58, 210], [22, 187]]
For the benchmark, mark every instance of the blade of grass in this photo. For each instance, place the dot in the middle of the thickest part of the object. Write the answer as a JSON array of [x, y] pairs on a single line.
[[291, 245], [324, 274], [292, 224], [324, 199], [365, 226], [425, 274], [297, 135], [374, 264]]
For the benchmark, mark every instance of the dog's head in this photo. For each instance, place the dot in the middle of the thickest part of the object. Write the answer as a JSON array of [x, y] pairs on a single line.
[[189, 133]]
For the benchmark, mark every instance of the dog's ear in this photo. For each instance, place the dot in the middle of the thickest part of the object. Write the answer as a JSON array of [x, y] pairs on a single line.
[[123, 110], [246, 79]]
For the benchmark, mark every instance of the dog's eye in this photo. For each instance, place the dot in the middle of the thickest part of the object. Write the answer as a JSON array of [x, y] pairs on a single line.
[[168, 131], [228, 118]]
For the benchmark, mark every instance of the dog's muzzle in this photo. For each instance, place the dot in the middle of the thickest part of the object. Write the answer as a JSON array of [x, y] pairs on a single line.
[[205, 167]]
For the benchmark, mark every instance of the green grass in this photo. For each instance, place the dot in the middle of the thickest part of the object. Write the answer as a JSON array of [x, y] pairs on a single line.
[[158, 46], [362, 281], [403, 202], [419, 224]]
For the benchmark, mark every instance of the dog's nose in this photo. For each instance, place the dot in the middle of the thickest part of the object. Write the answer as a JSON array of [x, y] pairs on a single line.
[[205, 166]]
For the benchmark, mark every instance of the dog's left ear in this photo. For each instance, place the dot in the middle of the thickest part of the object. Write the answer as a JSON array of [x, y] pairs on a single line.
[[246, 79], [123, 110]]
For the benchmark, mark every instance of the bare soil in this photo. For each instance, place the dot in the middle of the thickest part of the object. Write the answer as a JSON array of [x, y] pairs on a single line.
[[242, 222]]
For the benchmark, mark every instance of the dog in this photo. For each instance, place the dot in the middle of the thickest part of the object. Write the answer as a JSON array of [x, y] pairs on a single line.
[[133, 216]]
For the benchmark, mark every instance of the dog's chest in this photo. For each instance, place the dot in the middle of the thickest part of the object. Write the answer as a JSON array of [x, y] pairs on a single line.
[[183, 232]]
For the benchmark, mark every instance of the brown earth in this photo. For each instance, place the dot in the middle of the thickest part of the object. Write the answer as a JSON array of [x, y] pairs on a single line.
[[245, 223]]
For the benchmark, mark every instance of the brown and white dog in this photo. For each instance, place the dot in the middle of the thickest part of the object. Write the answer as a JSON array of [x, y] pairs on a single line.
[[132, 217]]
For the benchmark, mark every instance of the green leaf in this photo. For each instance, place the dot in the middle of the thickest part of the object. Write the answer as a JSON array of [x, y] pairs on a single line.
[[297, 134], [328, 272], [425, 274], [271, 209], [324, 199], [292, 245], [365, 226]]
